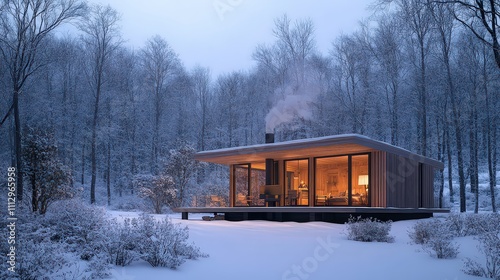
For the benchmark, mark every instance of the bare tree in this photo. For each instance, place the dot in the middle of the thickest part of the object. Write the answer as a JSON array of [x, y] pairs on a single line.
[[470, 66], [24, 24], [297, 42], [418, 18], [482, 17], [160, 62], [200, 79], [101, 38], [348, 75], [444, 24], [490, 126], [390, 58], [181, 167], [286, 59], [479, 16]]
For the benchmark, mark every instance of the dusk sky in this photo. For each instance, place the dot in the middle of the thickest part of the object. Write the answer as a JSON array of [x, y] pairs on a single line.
[[223, 34]]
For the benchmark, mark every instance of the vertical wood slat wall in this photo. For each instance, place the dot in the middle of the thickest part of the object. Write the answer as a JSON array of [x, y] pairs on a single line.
[[427, 186], [378, 179], [409, 183], [231, 186], [402, 182]]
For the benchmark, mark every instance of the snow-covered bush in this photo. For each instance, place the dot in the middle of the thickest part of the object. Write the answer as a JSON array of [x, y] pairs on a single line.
[[159, 190], [37, 255], [40, 260], [50, 180], [76, 224], [435, 237], [165, 243], [466, 224], [423, 231], [182, 167], [368, 230], [480, 223], [121, 244], [441, 246], [456, 224], [489, 245]]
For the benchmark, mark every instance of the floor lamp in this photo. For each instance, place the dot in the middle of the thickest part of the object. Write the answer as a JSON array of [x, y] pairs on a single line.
[[363, 181]]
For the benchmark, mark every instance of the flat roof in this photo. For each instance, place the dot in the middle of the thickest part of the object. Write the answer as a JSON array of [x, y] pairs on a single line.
[[312, 147]]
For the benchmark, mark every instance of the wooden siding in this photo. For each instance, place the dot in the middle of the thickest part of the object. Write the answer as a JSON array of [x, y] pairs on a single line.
[[378, 181], [403, 178], [427, 186], [231, 186]]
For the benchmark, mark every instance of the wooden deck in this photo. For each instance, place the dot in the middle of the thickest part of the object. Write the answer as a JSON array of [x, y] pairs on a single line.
[[308, 214]]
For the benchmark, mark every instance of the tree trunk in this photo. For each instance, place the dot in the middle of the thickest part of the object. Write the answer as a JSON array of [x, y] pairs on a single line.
[[460, 160], [94, 144], [440, 146], [450, 162], [34, 189], [108, 174], [490, 135], [394, 117], [473, 164], [83, 163], [423, 100], [493, 182], [17, 144], [456, 123]]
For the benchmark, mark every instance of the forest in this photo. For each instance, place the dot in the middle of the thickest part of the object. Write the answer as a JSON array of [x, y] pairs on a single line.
[[97, 114]]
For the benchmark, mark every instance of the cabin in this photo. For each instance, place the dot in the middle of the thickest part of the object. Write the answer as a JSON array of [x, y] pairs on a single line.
[[324, 179]]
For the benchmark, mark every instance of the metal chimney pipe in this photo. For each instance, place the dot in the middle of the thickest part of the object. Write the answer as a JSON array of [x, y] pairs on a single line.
[[269, 162], [269, 138]]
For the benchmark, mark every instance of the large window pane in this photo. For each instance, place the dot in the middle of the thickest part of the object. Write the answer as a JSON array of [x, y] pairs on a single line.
[[241, 184], [332, 184], [359, 179], [297, 182], [247, 188], [258, 179]]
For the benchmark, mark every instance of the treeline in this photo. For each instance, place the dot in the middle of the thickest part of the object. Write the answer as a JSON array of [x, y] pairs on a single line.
[[412, 75]]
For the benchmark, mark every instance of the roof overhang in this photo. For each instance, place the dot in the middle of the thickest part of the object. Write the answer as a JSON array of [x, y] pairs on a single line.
[[312, 147]]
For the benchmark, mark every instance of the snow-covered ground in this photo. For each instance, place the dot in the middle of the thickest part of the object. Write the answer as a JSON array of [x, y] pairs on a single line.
[[316, 250]]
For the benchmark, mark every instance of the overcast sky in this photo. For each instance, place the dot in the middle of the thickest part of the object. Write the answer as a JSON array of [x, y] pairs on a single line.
[[222, 34]]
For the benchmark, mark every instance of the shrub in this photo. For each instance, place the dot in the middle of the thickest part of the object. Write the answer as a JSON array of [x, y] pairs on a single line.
[[37, 259], [121, 243], [441, 246], [164, 243], [480, 223], [75, 223], [368, 230], [72, 230], [49, 178], [159, 190], [465, 224], [489, 245], [423, 231], [456, 224], [37, 256], [435, 238]]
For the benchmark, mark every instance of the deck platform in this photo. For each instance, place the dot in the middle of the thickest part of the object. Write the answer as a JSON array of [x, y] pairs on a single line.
[[309, 214]]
